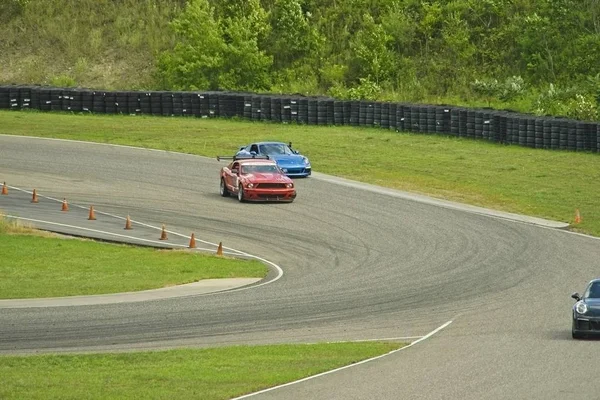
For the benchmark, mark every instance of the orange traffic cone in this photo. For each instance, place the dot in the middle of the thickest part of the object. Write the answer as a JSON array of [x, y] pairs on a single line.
[[128, 223], [34, 198], [65, 205], [92, 216], [192, 242], [163, 234], [220, 249], [577, 216], [4, 189]]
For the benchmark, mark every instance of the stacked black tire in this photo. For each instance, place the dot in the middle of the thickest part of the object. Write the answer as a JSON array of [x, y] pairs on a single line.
[[496, 126]]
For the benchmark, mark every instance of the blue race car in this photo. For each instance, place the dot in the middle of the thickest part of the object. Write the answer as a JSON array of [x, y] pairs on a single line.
[[291, 162]]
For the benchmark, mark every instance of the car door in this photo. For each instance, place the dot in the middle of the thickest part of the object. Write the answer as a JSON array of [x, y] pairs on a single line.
[[232, 176]]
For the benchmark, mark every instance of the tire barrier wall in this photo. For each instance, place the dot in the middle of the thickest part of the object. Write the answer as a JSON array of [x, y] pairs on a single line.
[[505, 127]]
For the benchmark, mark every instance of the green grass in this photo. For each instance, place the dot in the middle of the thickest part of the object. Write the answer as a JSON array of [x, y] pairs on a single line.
[[34, 266], [218, 373], [543, 183]]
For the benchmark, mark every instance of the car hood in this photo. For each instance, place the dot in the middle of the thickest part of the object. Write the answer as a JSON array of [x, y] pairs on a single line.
[[593, 307], [593, 303], [288, 159], [261, 178]]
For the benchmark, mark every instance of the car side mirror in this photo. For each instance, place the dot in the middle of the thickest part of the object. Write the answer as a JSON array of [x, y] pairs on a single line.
[[576, 296], [242, 148], [296, 151]]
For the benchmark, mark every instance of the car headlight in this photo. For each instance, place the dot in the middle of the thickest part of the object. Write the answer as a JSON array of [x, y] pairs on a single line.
[[250, 185], [306, 162], [289, 185], [581, 307]]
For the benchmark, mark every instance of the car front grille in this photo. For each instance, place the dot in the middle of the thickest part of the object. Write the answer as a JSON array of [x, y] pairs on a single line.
[[266, 196], [295, 170], [593, 325], [271, 186]]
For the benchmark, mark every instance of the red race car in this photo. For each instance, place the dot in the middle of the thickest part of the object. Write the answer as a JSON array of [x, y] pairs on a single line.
[[255, 178]]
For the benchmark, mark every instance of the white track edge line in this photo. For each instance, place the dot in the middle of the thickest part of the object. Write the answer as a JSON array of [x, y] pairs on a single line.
[[433, 332], [121, 218], [234, 251], [582, 234], [238, 252], [95, 230]]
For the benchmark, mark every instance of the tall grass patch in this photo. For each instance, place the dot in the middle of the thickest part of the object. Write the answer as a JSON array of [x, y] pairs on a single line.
[[118, 39]]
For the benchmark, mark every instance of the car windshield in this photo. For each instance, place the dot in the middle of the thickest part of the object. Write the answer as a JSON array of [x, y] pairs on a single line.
[[275, 148], [259, 168], [593, 291]]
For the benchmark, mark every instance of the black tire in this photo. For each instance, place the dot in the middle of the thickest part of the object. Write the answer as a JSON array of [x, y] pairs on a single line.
[[240, 194], [575, 334], [223, 188]]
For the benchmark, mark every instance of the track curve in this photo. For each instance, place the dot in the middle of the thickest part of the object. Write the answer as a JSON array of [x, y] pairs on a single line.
[[358, 265]]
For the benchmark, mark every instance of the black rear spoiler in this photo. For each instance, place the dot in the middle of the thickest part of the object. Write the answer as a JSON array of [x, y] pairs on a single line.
[[243, 157]]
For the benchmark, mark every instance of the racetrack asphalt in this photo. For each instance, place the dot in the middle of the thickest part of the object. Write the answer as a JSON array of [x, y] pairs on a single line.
[[359, 262]]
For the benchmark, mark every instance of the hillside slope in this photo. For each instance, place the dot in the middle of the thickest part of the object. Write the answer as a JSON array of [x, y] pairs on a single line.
[[90, 43], [537, 56]]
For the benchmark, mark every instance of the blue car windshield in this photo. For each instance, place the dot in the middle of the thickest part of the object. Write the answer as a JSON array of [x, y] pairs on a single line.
[[275, 148], [593, 291], [260, 168]]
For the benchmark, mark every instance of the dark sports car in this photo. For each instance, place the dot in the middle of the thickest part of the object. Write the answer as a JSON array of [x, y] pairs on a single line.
[[586, 312], [291, 162], [255, 179]]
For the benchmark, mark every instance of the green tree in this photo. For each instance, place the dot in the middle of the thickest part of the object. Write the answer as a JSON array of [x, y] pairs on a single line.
[[217, 53], [197, 60], [371, 57], [292, 38], [556, 40], [458, 51], [246, 65]]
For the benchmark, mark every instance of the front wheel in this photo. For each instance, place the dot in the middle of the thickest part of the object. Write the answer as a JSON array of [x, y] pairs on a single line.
[[240, 193], [223, 188]]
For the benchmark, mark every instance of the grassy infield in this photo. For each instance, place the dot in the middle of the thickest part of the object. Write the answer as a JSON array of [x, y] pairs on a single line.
[[89, 267], [548, 184]]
